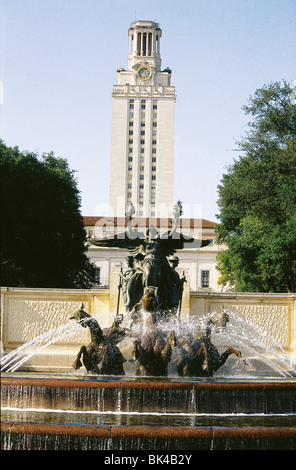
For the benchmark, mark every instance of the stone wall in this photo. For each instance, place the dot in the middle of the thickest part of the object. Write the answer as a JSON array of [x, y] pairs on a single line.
[[273, 313], [28, 313]]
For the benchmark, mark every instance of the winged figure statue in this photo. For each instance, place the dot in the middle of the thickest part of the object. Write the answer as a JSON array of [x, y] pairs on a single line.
[[150, 254]]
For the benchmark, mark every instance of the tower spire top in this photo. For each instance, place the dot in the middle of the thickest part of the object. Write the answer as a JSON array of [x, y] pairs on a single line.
[[144, 43]]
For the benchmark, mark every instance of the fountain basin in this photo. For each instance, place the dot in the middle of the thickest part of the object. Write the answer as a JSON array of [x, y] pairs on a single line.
[[108, 413], [28, 436], [146, 395]]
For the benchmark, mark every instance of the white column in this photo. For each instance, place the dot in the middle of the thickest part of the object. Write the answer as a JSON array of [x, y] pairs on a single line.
[[141, 43], [153, 44], [138, 43], [158, 45]]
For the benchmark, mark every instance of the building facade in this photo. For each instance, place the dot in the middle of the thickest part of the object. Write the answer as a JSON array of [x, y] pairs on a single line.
[[142, 130]]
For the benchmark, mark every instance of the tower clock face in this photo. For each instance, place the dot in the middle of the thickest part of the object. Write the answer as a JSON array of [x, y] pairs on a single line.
[[144, 73]]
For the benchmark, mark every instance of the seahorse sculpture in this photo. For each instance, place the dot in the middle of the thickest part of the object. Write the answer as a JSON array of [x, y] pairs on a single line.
[[101, 355], [152, 352]]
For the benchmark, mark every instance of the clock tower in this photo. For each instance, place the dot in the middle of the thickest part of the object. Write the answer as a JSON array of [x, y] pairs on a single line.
[[142, 131]]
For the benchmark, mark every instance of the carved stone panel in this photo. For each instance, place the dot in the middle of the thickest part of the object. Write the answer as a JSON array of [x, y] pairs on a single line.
[[272, 320], [29, 319]]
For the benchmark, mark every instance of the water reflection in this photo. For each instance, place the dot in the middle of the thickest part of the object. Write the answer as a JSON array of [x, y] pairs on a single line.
[[152, 419]]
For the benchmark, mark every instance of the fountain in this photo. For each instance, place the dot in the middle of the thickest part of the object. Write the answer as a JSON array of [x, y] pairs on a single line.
[[151, 379]]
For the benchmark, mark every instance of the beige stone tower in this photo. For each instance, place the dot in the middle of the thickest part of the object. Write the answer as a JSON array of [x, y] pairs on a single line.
[[142, 133]]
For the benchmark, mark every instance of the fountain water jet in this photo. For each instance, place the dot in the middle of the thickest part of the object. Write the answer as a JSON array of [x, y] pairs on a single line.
[[16, 358]]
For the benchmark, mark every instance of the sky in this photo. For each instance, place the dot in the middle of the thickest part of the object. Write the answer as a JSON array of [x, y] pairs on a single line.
[[58, 65]]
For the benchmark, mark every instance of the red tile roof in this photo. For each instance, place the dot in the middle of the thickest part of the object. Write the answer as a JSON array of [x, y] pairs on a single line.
[[146, 221]]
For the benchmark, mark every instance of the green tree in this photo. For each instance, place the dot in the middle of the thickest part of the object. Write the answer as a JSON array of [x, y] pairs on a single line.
[[257, 198], [42, 233]]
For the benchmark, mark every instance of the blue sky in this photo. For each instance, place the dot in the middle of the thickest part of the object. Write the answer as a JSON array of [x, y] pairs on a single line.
[[58, 65]]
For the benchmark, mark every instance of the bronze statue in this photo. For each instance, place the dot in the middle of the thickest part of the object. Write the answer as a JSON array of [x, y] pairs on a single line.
[[199, 357], [101, 355], [175, 285], [150, 252], [131, 282], [152, 352], [152, 290]]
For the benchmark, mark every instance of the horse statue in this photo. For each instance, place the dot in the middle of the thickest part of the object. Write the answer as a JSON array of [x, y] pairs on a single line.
[[199, 357], [101, 356], [152, 352]]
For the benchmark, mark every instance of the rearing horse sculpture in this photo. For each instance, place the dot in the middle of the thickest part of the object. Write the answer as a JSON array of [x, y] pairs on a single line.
[[101, 355], [152, 352], [199, 357]]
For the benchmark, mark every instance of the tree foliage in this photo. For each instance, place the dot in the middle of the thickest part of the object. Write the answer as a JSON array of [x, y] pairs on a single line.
[[42, 233], [257, 198]]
